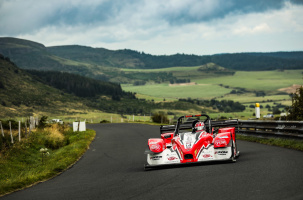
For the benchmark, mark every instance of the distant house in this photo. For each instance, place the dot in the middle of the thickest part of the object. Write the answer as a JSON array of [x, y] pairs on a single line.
[[57, 121], [268, 116]]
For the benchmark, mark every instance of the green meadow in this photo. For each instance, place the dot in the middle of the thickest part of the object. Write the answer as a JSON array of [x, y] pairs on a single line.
[[269, 81], [169, 69], [201, 91], [221, 86]]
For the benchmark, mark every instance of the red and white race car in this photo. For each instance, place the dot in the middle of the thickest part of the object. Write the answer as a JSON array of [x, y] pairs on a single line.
[[193, 141]]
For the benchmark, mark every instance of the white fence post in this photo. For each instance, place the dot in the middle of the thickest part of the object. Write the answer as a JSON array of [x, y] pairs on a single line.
[[19, 131], [1, 129], [10, 130], [32, 122], [36, 121]]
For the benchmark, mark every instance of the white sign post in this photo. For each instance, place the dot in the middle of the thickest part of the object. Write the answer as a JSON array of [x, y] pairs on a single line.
[[79, 126]]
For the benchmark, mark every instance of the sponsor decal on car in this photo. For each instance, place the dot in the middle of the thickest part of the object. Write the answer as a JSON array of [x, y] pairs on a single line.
[[220, 142], [172, 158], [155, 147], [206, 156], [155, 157], [221, 152]]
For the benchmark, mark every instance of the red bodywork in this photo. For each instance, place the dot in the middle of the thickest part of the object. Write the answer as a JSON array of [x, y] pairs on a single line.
[[167, 140], [191, 154], [185, 143]]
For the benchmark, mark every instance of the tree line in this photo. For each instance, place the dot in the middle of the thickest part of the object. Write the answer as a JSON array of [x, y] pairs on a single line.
[[235, 61], [222, 106], [79, 85]]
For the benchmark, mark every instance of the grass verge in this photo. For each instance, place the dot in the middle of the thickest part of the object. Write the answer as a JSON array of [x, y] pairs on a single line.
[[24, 164], [280, 142]]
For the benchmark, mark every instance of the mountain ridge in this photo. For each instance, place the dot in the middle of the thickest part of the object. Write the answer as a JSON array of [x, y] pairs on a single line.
[[104, 64]]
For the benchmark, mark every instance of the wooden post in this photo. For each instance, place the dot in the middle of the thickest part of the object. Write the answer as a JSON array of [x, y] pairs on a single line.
[[10, 130], [25, 127], [29, 131], [19, 131], [1, 129]]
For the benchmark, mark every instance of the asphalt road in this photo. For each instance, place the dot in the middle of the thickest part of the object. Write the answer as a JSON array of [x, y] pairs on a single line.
[[113, 169]]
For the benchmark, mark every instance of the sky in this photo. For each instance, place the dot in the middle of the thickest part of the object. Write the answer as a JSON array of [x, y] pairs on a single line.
[[158, 27]]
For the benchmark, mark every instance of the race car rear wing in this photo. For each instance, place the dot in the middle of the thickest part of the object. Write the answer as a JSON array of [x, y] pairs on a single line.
[[209, 126]]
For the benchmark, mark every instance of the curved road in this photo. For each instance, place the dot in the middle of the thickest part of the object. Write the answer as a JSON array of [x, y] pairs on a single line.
[[113, 169]]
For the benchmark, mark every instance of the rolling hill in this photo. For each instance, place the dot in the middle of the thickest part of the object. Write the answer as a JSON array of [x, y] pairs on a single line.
[[26, 93], [23, 95], [100, 63]]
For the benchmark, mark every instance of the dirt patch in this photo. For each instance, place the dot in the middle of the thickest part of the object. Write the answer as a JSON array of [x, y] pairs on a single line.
[[291, 89], [183, 84]]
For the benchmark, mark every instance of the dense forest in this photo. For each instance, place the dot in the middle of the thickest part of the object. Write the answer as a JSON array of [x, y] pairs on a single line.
[[237, 61], [79, 85]]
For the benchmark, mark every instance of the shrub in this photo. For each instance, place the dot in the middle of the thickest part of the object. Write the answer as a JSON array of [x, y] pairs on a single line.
[[160, 117], [296, 109], [42, 122]]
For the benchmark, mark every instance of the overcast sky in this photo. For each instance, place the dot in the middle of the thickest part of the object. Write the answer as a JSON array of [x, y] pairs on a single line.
[[158, 27]]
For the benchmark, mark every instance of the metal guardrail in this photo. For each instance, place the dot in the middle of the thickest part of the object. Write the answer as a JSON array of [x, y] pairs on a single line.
[[286, 129], [282, 129]]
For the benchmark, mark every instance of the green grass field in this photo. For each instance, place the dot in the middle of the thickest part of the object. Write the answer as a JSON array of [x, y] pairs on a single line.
[[219, 87], [202, 91], [206, 88], [268, 81], [169, 69]]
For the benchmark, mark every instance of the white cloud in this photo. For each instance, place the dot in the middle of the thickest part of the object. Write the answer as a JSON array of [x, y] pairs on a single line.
[[157, 27]]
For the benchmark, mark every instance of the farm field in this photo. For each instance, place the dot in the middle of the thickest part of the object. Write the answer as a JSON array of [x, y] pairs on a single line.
[[201, 91], [207, 88], [169, 69], [268, 81]]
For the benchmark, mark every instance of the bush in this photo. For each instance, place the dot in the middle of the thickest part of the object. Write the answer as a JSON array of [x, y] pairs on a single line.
[[160, 117], [14, 124], [276, 111], [42, 122], [296, 109]]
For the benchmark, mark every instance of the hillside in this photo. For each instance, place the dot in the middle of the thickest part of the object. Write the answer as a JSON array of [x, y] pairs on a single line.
[[31, 55], [26, 93], [79, 85], [23, 95], [103, 64], [98, 56]]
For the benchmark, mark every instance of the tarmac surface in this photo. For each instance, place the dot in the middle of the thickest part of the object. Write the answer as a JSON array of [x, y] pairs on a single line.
[[113, 169]]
